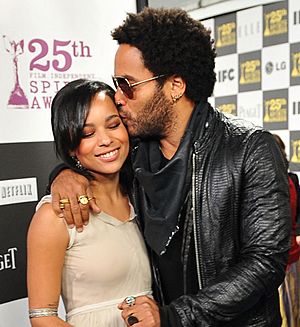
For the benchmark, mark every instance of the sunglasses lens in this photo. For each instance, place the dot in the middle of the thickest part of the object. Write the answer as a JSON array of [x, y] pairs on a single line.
[[115, 82], [124, 86]]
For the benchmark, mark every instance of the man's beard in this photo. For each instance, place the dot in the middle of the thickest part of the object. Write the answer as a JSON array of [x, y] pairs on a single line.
[[156, 119]]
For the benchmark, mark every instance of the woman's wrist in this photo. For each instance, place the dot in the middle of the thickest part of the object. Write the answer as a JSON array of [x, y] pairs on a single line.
[[42, 312]]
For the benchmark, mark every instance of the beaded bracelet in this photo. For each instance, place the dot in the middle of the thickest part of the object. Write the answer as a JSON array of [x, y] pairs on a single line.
[[42, 312]]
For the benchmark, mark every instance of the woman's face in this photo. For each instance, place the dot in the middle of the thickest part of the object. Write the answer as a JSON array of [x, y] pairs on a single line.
[[105, 145]]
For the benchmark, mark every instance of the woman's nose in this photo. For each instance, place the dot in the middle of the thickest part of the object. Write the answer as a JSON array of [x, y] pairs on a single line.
[[104, 140]]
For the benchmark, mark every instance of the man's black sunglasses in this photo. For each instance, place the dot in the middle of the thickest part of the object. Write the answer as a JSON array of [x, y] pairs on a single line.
[[126, 86]]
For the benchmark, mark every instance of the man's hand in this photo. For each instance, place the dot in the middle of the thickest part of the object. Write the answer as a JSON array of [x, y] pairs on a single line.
[[298, 239], [145, 310], [70, 185]]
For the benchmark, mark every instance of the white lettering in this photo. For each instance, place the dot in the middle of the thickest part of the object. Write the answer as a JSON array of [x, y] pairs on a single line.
[[8, 260]]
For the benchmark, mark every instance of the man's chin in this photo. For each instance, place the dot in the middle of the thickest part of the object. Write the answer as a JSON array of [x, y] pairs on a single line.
[[135, 131], [147, 136], [132, 131]]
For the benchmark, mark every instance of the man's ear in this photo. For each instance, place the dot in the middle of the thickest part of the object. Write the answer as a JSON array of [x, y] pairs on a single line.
[[178, 84], [178, 87]]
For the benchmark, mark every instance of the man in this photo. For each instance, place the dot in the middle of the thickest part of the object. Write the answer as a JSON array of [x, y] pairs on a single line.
[[211, 193]]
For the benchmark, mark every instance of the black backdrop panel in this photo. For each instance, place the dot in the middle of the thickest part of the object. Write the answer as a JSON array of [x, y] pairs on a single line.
[[20, 160]]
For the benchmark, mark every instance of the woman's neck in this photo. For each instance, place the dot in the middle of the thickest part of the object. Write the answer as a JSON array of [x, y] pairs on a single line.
[[109, 197], [106, 186]]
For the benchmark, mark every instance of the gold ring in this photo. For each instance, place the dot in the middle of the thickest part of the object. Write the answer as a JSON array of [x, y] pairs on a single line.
[[83, 199], [64, 201], [62, 206]]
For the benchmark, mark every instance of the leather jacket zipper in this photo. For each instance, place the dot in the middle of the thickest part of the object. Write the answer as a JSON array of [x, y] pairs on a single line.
[[197, 252]]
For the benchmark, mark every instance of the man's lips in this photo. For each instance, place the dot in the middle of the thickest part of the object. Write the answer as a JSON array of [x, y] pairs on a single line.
[[123, 116]]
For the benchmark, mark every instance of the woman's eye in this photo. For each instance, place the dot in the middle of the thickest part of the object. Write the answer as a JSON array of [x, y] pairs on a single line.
[[87, 134], [114, 125]]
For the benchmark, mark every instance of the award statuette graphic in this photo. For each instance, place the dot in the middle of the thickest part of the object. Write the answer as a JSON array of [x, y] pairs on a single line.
[[17, 99]]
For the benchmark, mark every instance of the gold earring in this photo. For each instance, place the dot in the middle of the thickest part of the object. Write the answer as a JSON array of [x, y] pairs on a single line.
[[175, 98]]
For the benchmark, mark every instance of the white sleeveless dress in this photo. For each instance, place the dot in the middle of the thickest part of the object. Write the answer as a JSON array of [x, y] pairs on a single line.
[[105, 263]]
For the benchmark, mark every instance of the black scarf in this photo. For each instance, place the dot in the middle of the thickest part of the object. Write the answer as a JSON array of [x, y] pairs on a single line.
[[163, 190]]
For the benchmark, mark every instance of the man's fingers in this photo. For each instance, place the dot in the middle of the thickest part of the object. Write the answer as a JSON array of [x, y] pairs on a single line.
[[85, 212], [67, 213], [77, 214], [145, 313], [74, 213], [94, 207], [138, 300], [69, 186], [55, 204], [92, 202], [64, 212], [145, 299]]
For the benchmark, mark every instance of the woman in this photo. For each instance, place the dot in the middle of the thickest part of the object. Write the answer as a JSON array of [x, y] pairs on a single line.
[[94, 270], [289, 290]]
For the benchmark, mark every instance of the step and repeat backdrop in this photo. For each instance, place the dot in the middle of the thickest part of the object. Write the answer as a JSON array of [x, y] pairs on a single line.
[[258, 69], [43, 46]]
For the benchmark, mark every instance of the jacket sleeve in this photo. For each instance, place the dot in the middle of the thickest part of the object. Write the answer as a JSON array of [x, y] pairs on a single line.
[[264, 234], [169, 317], [53, 174]]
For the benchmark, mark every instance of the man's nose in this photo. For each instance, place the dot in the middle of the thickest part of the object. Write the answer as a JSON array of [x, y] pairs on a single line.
[[120, 98]]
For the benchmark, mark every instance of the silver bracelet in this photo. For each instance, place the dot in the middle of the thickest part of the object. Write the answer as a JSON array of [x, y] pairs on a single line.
[[42, 312]]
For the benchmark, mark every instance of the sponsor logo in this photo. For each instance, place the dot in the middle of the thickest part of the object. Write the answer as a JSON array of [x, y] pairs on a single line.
[[226, 34], [295, 64], [224, 75], [8, 259], [296, 108], [250, 72], [50, 68], [18, 191], [229, 108], [248, 30], [275, 110], [296, 17], [270, 67], [17, 97], [250, 112], [295, 151], [276, 22]]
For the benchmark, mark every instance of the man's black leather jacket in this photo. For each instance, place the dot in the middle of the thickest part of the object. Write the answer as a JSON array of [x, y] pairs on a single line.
[[242, 224]]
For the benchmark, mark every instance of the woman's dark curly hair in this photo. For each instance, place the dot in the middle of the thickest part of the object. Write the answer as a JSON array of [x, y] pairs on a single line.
[[172, 43]]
